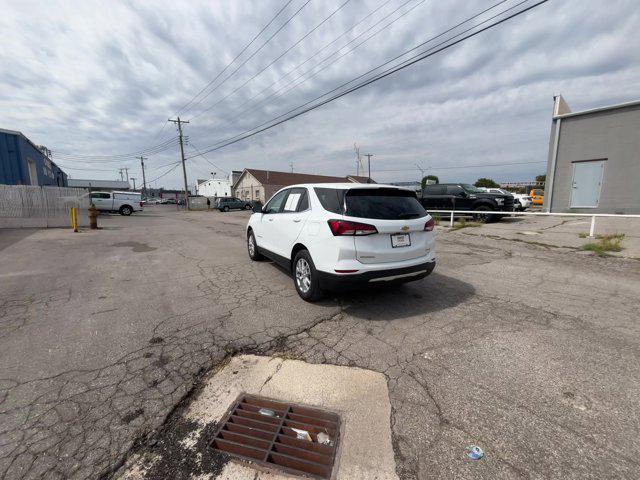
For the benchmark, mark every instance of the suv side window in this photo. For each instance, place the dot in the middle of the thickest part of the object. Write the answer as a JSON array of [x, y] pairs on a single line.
[[435, 190], [304, 202], [294, 200], [100, 195], [454, 190], [275, 204], [331, 199]]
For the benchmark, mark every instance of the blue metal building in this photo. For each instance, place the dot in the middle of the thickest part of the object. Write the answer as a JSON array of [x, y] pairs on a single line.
[[22, 163]]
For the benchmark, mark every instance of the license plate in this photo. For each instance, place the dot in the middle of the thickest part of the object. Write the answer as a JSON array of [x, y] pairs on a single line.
[[400, 240]]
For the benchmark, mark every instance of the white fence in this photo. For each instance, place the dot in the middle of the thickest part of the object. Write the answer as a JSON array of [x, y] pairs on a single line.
[[592, 230], [25, 206]]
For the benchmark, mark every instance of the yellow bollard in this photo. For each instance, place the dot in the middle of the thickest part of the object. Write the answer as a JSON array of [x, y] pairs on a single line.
[[74, 219]]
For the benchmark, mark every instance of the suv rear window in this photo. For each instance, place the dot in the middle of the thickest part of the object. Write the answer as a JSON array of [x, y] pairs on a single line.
[[383, 204]]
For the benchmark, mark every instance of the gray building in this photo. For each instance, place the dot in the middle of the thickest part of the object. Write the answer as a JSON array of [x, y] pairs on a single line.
[[594, 159]]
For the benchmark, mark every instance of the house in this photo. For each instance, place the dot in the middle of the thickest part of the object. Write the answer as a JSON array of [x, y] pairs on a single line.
[[260, 185], [104, 185], [24, 163], [594, 160], [214, 187]]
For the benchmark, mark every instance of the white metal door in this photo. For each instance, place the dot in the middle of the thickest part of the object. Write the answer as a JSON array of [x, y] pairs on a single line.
[[585, 187]]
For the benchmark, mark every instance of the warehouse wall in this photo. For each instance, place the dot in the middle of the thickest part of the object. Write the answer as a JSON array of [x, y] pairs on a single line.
[[613, 135], [16, 152]]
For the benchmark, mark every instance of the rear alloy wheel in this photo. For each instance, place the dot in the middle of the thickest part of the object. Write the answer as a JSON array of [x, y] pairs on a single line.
[[252, 248], [225, 208], [305, 277], [480, 216], [247, 207], [126, 210]]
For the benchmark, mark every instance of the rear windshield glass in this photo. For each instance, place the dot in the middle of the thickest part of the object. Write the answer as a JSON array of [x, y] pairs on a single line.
[[383, 204]]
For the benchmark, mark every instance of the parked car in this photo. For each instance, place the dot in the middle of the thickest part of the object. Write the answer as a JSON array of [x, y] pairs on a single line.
[[232, 203], [125, 203], [463, 196], [153, 201], [333, 236], [521, 201], [168, 201], [538, 196]]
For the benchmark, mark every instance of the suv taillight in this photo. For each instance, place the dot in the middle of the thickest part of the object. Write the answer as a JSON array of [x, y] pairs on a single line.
[[343, 227], [428, 227]]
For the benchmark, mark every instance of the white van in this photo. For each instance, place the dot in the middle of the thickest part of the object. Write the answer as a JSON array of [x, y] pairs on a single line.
[[125, 203]]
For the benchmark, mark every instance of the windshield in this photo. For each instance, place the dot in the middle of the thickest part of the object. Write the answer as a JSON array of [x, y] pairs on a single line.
[[383, 204], [471, 189]]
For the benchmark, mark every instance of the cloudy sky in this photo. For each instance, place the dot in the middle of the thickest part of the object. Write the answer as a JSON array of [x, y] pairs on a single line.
[[100, 78]]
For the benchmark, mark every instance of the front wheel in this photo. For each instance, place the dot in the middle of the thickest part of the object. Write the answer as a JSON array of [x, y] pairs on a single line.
[[225, 208], [126, 210], [305, 277], [247, 207], [480, 216]]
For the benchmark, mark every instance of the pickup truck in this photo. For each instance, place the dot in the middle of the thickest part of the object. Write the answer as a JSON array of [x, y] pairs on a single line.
[[521, 201], [125, 203], [463, 196]]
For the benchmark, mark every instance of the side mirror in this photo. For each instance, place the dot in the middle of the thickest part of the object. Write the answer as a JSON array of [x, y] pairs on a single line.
[[462, 194], [257, 207]]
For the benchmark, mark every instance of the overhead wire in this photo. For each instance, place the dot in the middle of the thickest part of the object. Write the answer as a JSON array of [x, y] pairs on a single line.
[[293, 113], [252, 55], [291, 47]]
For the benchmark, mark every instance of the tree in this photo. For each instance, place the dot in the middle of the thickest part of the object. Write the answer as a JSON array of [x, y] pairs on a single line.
[[541, 178], [429, 177], [487, 183]]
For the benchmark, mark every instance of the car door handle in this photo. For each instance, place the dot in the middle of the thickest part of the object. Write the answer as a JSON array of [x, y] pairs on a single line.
[[296, 220], [270, 219]]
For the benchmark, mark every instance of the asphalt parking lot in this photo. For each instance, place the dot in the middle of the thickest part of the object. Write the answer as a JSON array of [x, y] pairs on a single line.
[[531, 352]]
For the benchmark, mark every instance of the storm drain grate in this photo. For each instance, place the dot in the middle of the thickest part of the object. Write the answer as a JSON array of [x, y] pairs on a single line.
[[294, 438]]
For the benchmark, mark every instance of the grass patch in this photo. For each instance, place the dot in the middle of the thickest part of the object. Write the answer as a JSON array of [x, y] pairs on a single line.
[[462, 223], [583, 235], [436, 218], [605, 243]]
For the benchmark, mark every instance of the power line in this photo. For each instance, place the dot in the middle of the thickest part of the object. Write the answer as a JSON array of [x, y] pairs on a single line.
[[416, 58], [277, 93], [295, 44], [190, 143], [234, 59], [252, 55], [165, 145], [321, 49]]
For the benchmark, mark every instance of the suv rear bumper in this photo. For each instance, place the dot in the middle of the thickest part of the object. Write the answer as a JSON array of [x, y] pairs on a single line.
[[333, 281]]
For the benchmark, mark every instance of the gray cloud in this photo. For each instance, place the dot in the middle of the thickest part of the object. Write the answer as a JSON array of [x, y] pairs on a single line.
[[102, 78]]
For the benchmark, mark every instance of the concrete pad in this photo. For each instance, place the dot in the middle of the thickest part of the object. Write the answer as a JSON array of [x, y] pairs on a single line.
[[359, 396]]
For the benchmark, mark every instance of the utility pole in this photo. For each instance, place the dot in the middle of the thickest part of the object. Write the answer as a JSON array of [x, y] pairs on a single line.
[[369, 155], [291, 165], [126, 171], [144, 179], [134, 183], [121, 175], [184, 168]]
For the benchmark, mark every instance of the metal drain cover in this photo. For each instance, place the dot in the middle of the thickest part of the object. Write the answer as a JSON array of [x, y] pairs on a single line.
[[292, 438]]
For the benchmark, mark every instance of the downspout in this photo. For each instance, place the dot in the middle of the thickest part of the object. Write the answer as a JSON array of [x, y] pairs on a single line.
[[549, 184]]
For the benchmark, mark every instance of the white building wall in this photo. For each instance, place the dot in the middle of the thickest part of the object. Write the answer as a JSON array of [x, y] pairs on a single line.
[[214, 188], [249, 188]]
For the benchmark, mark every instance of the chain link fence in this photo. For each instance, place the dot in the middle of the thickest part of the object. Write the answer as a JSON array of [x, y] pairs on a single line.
[[26, 206]]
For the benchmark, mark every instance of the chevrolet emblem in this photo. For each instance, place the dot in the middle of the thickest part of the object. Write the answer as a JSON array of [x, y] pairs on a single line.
[[405, 228]]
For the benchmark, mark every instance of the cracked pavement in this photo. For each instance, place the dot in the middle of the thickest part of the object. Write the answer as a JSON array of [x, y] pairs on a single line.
[[531, 353]]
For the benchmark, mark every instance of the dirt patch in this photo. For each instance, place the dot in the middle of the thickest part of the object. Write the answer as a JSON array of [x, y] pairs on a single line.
[[135, 246]]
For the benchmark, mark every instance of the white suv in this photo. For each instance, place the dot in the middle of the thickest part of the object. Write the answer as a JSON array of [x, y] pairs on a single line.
[[335, 235]]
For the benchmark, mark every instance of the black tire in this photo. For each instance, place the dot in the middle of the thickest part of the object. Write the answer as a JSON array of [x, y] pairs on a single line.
[[225, 208], [126, 210], [254, 254], [482, 217], [313, 291], [247, 206]]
